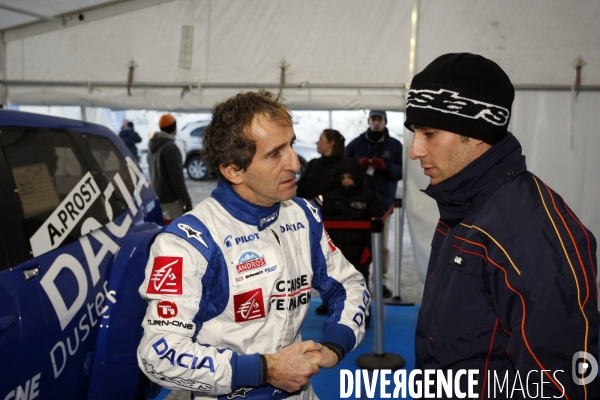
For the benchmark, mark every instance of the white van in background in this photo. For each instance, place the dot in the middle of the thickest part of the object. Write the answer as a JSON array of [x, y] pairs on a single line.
[[189, 140]]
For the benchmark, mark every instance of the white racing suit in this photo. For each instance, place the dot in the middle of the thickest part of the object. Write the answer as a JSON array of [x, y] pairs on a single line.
[[231, 280]]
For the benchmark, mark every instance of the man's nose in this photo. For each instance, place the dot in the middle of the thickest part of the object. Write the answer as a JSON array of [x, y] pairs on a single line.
[[294, 161], [416, 150]]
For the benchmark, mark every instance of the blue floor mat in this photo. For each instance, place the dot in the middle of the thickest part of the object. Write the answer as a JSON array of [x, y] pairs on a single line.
[[398, 338]]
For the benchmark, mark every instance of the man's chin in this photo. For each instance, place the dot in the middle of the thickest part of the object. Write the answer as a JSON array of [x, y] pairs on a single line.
[[291, 194], [288, 194]]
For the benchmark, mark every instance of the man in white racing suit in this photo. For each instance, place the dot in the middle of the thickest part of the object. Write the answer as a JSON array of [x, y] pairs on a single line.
[[229, 283]]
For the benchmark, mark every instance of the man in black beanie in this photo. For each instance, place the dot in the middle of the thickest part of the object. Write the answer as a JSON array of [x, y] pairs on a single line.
[[511, 283]]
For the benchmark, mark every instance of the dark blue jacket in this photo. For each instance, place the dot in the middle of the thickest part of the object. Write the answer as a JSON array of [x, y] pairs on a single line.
[[130, 138], [511, 282], [383, 182]]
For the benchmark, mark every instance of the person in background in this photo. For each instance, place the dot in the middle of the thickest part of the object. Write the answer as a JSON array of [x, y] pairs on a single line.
[[381, 157], [229, 284], [351, 201], [165, 167], [130, 137], [319, 176], [511, 284]]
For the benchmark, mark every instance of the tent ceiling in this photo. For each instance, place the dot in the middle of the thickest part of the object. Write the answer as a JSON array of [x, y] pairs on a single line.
[[21, 19], [346, 54], [18, 13]]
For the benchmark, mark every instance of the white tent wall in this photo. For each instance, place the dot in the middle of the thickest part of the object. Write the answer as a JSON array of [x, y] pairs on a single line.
[[339, 54], [534, 41], [324, 45]]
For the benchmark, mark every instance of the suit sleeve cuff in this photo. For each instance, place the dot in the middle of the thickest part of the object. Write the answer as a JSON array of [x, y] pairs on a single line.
[[246, 370], [340, 335], [336, 348]]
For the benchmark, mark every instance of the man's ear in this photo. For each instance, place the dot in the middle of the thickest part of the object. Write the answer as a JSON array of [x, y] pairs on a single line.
[[481, 146], [232, 173]]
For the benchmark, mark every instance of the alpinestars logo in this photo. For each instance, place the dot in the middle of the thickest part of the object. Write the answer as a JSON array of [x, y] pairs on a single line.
[[241, 392], [450, 102], [313, 209], [192, 233], [187, 383], [249, 305]]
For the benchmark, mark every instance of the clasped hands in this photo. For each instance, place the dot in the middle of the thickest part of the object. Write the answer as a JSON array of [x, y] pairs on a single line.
[[375, 162], [291, 367]]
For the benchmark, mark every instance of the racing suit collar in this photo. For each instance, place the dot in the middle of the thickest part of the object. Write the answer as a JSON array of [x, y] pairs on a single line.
[[243, 210], [457, 195]]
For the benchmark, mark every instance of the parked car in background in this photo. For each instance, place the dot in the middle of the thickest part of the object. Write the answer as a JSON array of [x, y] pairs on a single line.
[[189, 141], [77, 218]]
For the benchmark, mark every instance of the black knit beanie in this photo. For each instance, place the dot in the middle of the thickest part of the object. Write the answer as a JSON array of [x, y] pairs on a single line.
[[462, 93]]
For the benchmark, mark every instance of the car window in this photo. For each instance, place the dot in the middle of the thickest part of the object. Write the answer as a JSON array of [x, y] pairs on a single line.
[[198, 132], [58, 193], [111, 161]]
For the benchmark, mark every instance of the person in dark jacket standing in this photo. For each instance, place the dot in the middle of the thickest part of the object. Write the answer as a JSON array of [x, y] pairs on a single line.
[[381, 157], [165, 166], [319, 176], [130, 137], [511, 283], [351, 201]]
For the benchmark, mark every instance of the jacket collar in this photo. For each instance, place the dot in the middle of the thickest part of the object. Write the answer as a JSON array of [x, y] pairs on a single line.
[[243, 210], [386, 133], [472, 186]]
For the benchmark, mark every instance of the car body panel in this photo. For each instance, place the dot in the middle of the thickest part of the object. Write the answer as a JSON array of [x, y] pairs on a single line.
[[70, 328]]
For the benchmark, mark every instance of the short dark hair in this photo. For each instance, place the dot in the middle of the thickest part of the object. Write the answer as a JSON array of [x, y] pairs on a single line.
[[227, 138], [339, 148], [130, 124]]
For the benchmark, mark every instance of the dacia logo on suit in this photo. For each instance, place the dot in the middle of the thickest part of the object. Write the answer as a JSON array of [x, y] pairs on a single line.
[[174, 357], [291, 227]]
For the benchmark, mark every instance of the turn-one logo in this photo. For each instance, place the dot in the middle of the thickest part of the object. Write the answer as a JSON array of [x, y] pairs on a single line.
[[584, 364], [167, 309]]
